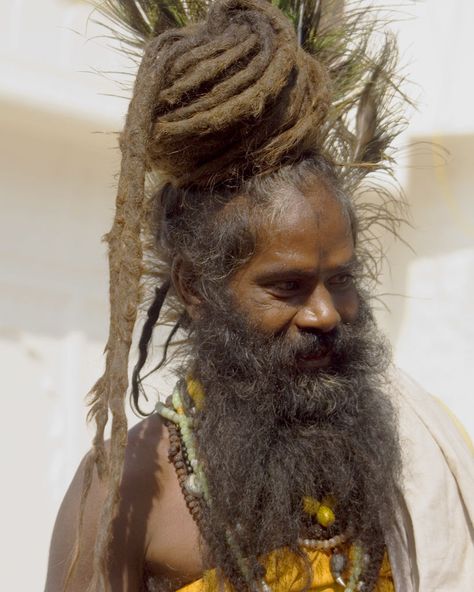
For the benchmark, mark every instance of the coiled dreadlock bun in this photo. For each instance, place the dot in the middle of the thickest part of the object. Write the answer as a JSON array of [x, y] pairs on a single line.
[[236, 95]]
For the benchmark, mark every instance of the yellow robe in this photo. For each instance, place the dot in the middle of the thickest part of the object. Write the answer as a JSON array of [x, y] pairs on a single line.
[[292, 579]]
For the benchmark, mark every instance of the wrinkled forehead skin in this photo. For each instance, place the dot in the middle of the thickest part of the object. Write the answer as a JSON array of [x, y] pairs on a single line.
[[295, 221]]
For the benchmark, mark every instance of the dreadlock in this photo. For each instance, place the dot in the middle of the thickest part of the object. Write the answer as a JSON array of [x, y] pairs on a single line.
[[218, 105]]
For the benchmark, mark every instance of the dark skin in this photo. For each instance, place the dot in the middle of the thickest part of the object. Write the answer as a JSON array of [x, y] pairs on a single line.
[[153, 532], [300, 279]]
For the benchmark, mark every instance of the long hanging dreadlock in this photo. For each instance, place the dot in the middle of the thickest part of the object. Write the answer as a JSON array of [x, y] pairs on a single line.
[[228, 91]]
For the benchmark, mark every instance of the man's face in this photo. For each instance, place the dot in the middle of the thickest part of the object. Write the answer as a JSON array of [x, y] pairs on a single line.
[[301, 279]]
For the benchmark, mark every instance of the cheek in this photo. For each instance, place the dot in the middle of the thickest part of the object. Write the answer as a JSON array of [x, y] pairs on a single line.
[[273, 318], [347, 305], [266, 313]]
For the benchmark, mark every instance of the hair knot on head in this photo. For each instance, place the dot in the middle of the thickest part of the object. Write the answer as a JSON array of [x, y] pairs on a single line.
[[231, 96]]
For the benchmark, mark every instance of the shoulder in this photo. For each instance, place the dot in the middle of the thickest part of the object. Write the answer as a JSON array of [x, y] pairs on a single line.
[[437, 459], [416, 405], [146, 455], [435, 516]]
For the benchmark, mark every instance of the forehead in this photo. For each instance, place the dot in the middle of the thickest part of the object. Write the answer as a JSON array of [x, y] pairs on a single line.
[[311, 228]]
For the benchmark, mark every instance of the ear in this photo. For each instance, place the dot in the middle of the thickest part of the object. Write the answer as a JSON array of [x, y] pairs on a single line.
[[184, 283]]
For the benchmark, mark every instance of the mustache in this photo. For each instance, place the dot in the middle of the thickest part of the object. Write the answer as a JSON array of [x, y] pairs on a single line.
[[315, 343], [339, 343]]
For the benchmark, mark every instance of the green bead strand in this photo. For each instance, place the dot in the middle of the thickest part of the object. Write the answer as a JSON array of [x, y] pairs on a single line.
[[166, 412], [356, 570]]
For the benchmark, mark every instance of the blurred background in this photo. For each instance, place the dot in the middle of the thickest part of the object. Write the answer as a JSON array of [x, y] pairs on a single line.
[[58, 165]]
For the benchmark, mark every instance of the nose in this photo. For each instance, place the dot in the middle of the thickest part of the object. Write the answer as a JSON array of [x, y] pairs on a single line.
[[318, 312]]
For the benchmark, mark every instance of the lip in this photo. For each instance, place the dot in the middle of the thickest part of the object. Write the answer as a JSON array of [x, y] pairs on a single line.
[[321, 360]]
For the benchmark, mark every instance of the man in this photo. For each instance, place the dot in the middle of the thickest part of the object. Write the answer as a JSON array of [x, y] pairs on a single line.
[[290, 455]]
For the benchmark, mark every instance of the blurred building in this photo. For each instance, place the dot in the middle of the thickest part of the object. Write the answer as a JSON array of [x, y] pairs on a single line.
[[57, 177]]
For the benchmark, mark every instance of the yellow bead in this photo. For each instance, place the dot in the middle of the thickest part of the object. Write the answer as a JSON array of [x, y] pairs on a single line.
[[325, 516], [196, 392], [310, 505]]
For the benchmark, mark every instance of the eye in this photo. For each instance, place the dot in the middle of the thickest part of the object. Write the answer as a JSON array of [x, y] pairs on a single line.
[[285, 287], [342, 280]]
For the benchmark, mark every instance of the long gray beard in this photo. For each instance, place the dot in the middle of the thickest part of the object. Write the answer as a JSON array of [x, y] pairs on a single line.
[[269, 435]]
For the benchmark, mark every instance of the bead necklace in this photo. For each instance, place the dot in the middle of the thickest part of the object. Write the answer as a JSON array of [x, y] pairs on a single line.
[[193, 484], [191, 477]]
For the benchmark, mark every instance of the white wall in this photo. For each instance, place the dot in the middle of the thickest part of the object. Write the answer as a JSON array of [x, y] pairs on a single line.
[[431, 321], [56, 201], [57, 191]]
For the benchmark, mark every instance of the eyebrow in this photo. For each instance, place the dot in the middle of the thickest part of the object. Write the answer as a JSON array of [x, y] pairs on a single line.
[[277, 272]]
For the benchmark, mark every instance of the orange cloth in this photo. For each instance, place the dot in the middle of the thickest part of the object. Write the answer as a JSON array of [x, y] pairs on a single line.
[[292, 579]]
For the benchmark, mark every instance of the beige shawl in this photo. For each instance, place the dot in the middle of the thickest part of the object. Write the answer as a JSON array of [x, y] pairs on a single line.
[[431, 548]]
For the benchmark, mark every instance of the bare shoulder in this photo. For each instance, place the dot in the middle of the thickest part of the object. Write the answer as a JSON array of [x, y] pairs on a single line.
[[147, 451], [145, 469]]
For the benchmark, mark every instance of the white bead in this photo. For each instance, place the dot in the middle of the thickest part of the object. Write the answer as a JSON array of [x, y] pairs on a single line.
[[192, 485]]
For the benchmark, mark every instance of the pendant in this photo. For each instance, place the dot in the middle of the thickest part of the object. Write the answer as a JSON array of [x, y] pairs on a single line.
[[338, 563]]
